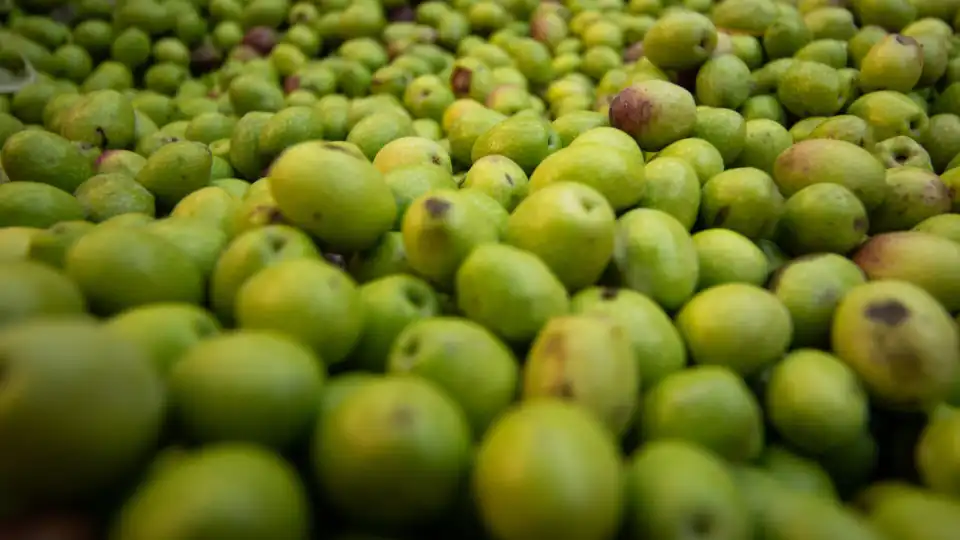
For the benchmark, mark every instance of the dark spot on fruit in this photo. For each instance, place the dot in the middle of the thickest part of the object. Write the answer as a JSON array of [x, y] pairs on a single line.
[[633, 52], [204, 328], [415, 296], [435, 159], [402, 14], [630, 111], [900, 157], [701, 525], [337, 260], [861, 224], [609, 293], [104, 141], [564, 389], [261, 39], [205, 58], [276, 243], [554, 347], [904, 40], [437, 208], [403, 416], [268, 214], [460, 81], [410, 347], [508, 178], [722, 214], [704, 43], [338, 148], [587, 204], [291, 83], [889, 312]]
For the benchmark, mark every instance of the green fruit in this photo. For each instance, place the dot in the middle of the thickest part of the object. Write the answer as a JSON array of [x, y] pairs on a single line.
[[617, 174], [815, 402], [671, 185], [680, 40], [51, 245], [704, 157], [440, 229], [390, 304], [899, 340], [709, 406], [570, 227], [40, 412], [810, 287], [894, 63], [232, 475], [248, 386], [914, 195], [212, 206], [417, 436], [524, 138], [764, 142], [104, 118], [31, 204], [674, 486], [290, 295], [509, 291], [475, 368], [944, 225], [506, 501], [409, 183], [498, 177], [120, 268], [654, 113], [175, 170], [245, 144], [120, 161], [657, 346], [32, 290], [723, 81], [337, 196], [201, 241], [890, 114], [811, 89], [908, 512], [410, 151], [106, 195], [937, 457], [715, 323], [726, 130], [817, 161], [40, 156], [165, 330], [786, 35], [727, 256], [822, 218], [607, 384], [798, 473], [250, 93], [569, 126], [744, 200], [916, 257], [249, 253], [902, 151], [654, 254], [375, 131]]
